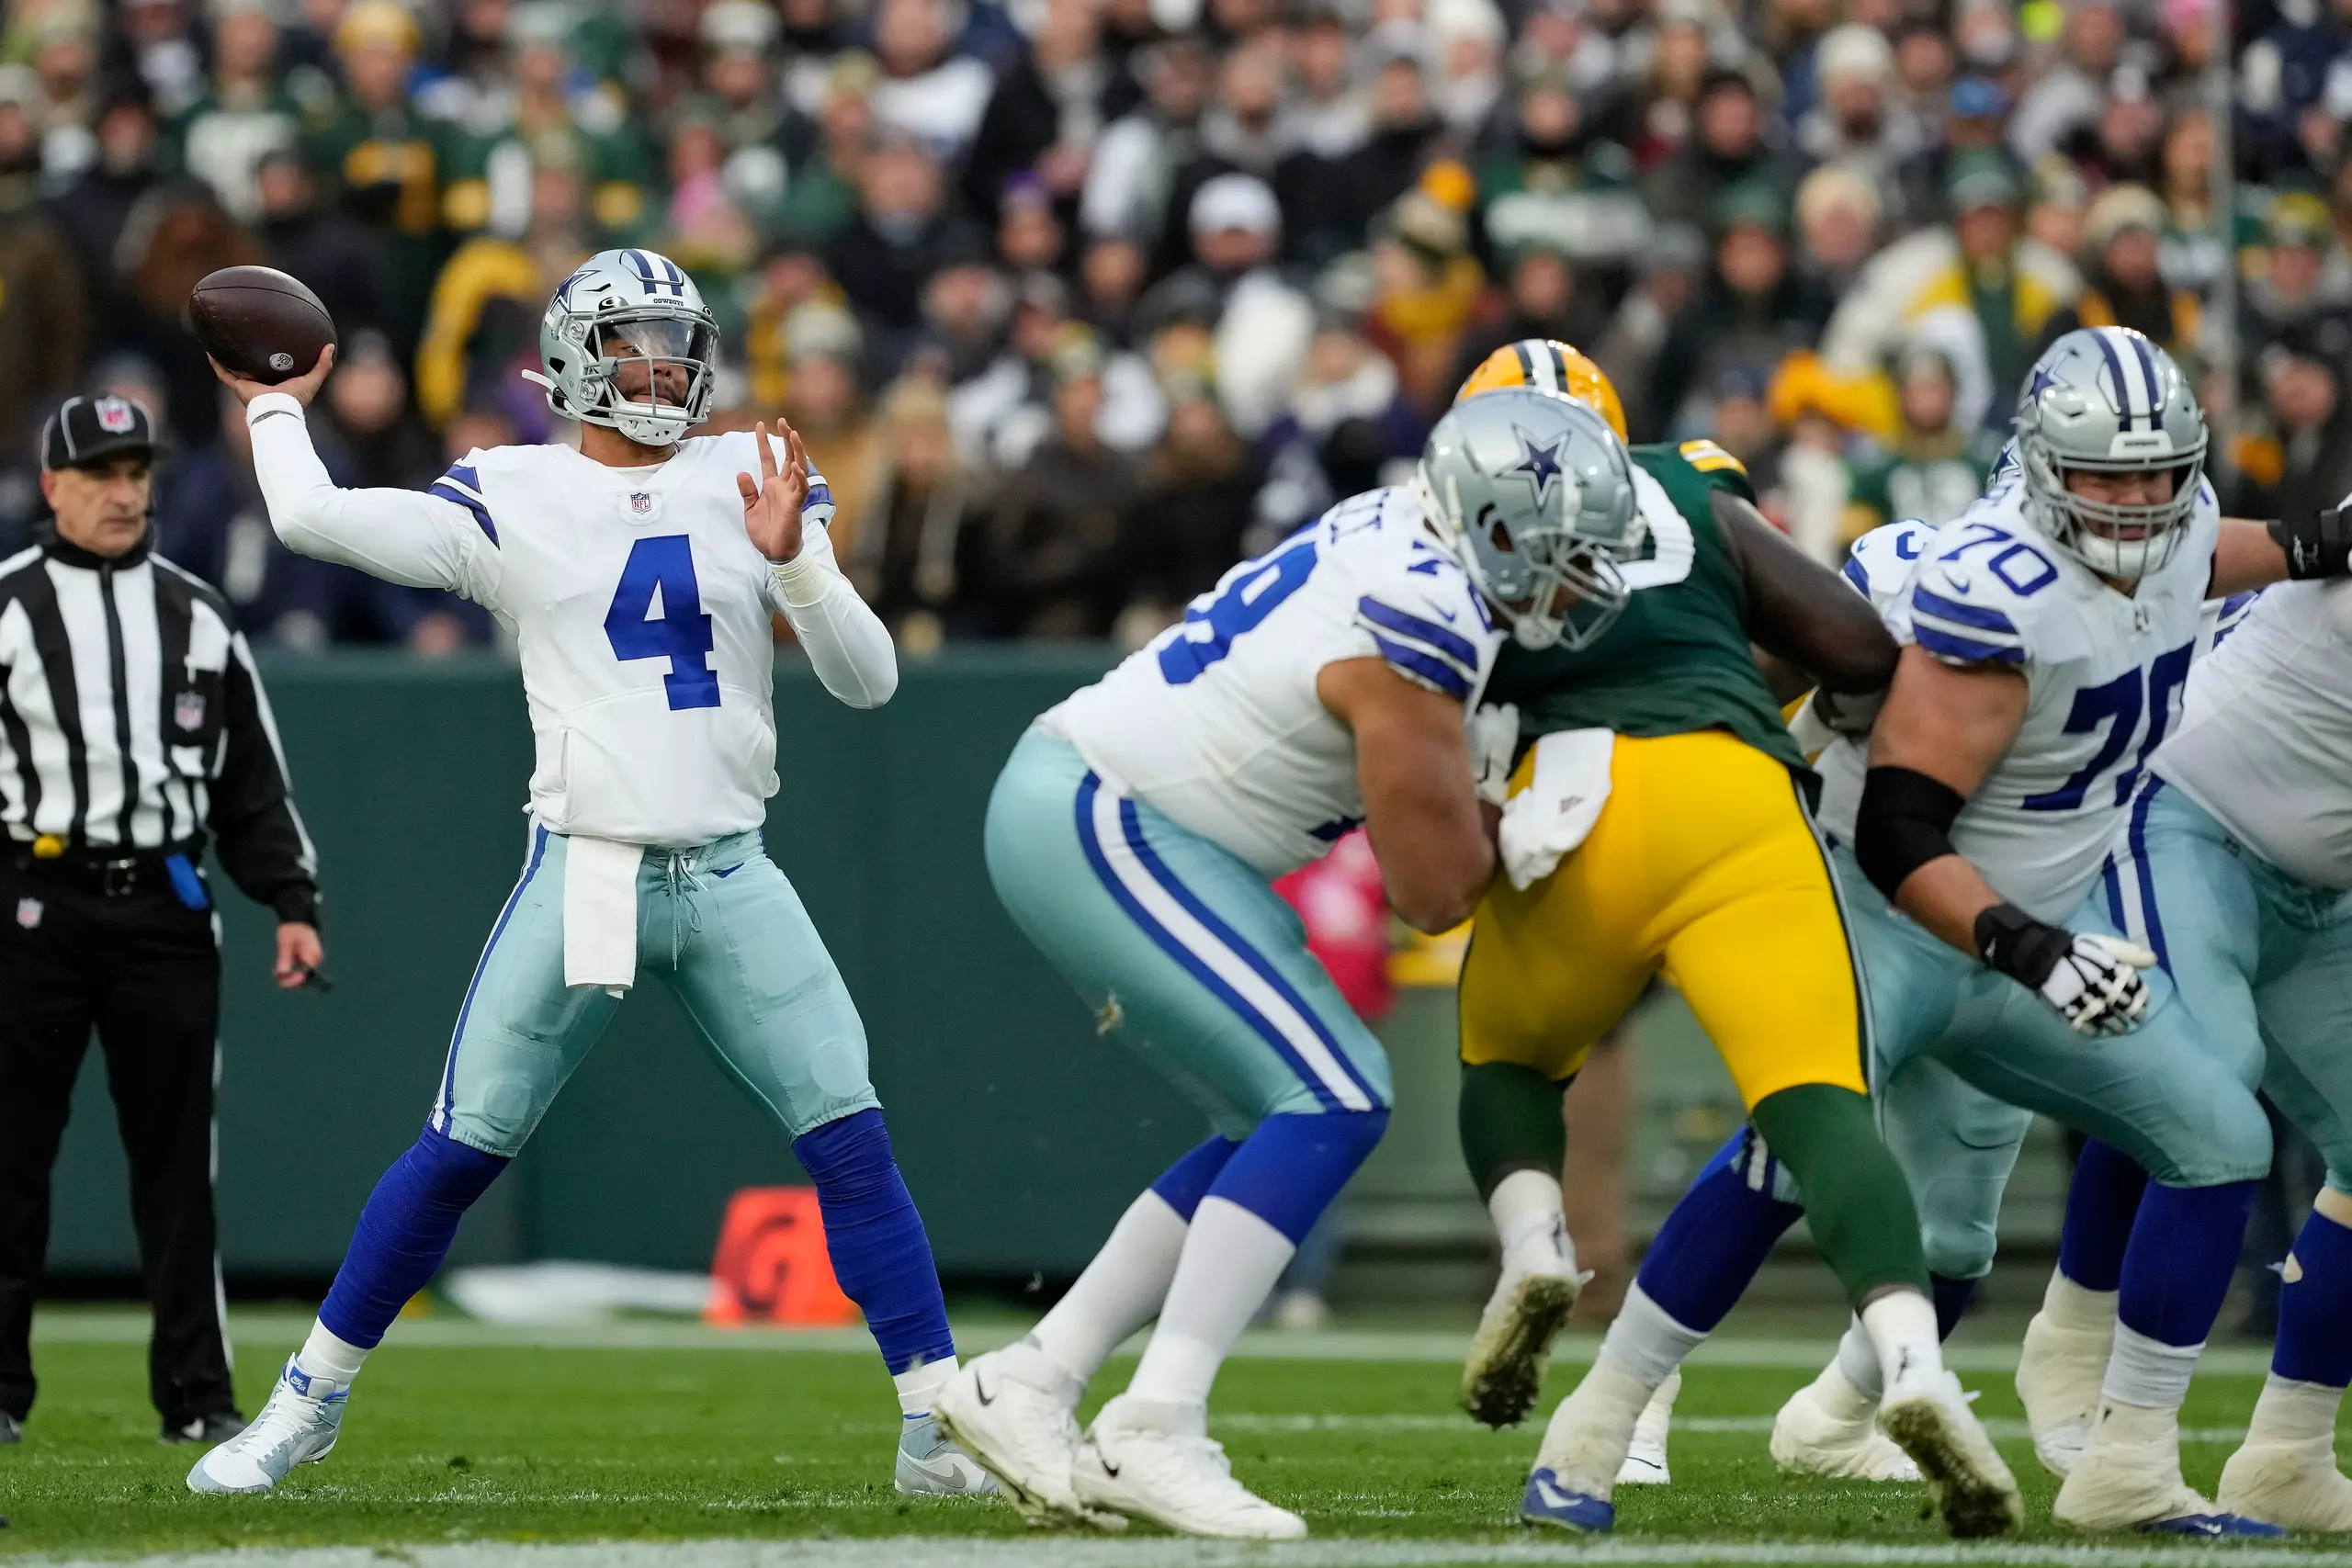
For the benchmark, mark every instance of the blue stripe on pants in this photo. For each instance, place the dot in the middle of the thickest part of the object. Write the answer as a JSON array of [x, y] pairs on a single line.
[[440, 1119]]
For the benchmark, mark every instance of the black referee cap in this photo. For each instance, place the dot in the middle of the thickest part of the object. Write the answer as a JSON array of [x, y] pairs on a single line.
[[88, 430]]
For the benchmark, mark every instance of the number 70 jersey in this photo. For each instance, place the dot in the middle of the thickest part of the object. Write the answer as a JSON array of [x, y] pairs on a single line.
[[2104, 670], [1217, 722]]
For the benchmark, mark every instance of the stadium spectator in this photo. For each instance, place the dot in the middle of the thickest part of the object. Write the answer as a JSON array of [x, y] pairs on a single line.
[[343, 258], [484, 315], [1753, 311], [1187, 524], [1554, 185], [931, 89], [247, 109], [93, 208], [380, 159], [44, 330], [2123, 284], [908, 554], [1347, 430], [176, 234], [1047, 113], [1132, 175], [1727, 148], [2291, 293], [905, 231], [2306, 462]]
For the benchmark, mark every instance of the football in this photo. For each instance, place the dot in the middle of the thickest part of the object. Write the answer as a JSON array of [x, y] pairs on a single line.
[[259, 321]]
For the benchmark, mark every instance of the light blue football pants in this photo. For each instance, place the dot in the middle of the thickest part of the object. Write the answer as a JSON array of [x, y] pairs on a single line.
[[1963, 1056], [723, 928], [2261, 961], [1179, 946]]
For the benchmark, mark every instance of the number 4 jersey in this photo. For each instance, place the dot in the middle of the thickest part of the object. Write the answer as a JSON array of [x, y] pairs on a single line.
[[1216, 723], [640, 606], [2104, 672]]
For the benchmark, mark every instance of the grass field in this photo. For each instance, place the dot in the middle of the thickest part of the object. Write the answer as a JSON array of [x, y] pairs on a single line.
[[459, 1437]]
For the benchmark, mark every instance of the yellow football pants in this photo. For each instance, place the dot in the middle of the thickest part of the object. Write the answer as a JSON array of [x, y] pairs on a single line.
[[1703, 868]]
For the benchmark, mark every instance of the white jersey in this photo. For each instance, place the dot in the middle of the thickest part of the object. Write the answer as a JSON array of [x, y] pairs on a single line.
[[640, 607], [1217, 722], [2104, 671], [2264, 741]]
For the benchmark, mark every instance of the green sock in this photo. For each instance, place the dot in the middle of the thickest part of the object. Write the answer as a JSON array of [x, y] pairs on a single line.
[[1856, 1202], [1510, 1119]]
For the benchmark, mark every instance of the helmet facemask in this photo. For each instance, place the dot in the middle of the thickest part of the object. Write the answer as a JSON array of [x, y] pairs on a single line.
[[2113, 538], [1551, 587], [648, 374]]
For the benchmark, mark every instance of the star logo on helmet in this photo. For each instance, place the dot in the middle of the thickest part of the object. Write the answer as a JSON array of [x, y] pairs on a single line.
[[2043, 379], [1540, 461]]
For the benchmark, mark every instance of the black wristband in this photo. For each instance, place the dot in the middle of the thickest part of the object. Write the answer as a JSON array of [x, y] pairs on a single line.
[[297, 903], [2019, 946], [2317, 546]]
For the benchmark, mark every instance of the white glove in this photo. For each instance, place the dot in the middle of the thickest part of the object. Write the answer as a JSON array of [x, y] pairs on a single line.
[[2096, 985], [1493, 733]]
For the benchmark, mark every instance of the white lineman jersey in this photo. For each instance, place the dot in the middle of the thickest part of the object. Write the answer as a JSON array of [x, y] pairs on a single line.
[[642, 612], [2104, 670], [1217, 722], [2264, 741]]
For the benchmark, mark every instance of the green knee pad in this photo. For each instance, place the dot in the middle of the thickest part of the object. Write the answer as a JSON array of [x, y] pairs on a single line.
[[1856, 1202], [1510, 1119]]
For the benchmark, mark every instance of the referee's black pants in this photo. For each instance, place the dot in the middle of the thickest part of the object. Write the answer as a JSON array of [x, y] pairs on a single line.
[[143, 970]]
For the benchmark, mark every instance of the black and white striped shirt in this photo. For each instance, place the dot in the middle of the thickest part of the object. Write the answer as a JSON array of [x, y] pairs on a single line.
[[131, 719]]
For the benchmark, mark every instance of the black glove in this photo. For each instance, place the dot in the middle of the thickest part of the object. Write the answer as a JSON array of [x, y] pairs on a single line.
[[2315, 547]]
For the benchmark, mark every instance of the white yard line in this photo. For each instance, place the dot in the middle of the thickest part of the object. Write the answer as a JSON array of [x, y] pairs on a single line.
[[64, 1326], [1432, 1421], [917, 1552]]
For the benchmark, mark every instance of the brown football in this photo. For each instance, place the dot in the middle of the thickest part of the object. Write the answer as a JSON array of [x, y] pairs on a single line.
[[259, 321]]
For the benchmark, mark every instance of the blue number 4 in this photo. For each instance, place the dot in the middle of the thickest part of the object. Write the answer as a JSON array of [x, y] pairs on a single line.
[[665, 565]]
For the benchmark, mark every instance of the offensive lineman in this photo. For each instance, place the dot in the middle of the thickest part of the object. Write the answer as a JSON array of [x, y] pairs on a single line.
[[1133, 834], [656, 746], [2235, 870], [2050, 629]]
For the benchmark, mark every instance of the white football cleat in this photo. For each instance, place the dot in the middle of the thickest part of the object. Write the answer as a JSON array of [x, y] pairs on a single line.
[[1829, 1428], [2294, 1484], [1645, 1459], [1504, 1372], [2059, 1374], [1013, 1411], [930, 1465], [1157, 1461], [1926, 1415], [299, 1426], [2128, 1478]]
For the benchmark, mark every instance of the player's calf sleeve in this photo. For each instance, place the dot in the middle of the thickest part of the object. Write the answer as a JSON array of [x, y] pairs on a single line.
[[2315, 1305], [1855, 1201], [1243, 1234], [2101, 1202], [403, 1233], [2183, 1251], [1509, 1117], [1952, 1297], [880, 1254], [1718, 1235]]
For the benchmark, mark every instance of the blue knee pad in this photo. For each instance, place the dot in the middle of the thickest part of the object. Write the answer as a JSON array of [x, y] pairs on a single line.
[[880, 1254], [405, 1233]]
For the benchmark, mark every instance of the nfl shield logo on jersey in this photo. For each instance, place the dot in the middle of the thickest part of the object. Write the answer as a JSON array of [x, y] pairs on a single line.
[[28, 912], [115, 417], [188, 710], [640, 503]]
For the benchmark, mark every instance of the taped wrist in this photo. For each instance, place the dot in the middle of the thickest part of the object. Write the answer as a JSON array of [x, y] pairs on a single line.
[[2316, 547], [1904, 821], [2019, 946]]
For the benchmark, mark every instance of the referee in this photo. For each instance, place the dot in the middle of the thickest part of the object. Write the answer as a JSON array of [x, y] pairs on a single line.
[[132, 724]]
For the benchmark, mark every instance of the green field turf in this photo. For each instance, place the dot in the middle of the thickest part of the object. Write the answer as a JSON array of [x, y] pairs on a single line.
[[674, 1435]]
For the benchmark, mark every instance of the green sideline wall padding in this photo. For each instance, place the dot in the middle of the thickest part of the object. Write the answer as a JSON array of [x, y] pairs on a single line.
[[1021, 1134]]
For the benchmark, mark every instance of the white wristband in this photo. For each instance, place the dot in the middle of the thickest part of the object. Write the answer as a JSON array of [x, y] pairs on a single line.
[[802, 581]]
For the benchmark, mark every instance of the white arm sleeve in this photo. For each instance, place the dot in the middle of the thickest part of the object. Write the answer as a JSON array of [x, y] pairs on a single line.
[[401, 536], [846, 641]]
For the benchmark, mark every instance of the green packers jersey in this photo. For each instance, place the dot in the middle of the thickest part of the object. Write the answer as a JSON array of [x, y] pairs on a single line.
[[1677, 660]]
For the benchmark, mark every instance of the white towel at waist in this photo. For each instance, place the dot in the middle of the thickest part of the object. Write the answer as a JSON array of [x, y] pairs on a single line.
[[600, 912], [1562, 801]]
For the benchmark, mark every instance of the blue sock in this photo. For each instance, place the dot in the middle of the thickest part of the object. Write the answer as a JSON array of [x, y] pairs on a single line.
[[2184, 1251], [1718, 1236], [403, 1233], [1182, 1185], [1288, 1170], [2316, 1304], [880, 1254], [1952, 1297], [2101, 1202]]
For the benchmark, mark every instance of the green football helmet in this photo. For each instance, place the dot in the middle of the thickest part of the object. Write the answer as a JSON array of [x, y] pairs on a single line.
[[1535, 494]]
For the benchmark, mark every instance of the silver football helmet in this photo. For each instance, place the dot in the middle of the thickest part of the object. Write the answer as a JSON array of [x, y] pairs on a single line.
[[1535, 494], [2106, 401], [632, 316]]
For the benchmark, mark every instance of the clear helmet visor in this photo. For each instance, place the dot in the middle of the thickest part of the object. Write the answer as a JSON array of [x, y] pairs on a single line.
[[655, 361]]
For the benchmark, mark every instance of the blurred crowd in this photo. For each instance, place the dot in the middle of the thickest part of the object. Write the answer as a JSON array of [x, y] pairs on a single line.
[[1075, 301]]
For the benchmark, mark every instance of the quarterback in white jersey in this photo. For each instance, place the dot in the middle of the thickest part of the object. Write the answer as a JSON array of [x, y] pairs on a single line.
[[638, 574], [1133, 834]]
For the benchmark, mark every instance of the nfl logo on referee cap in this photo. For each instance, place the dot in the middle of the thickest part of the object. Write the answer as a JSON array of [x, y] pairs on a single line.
[[116, 417], [188, 710]]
